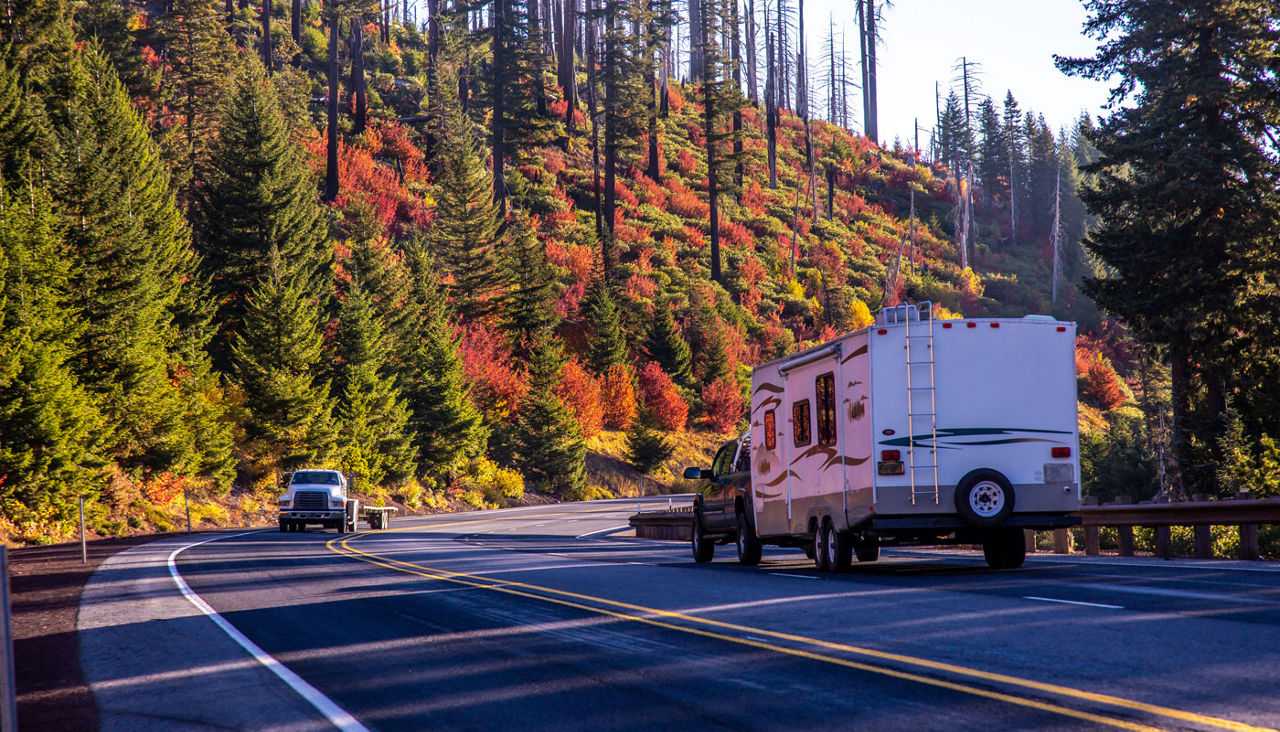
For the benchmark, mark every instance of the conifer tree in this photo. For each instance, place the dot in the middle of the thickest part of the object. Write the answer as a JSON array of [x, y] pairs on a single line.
[[386, 277], [647, 448], [666, 347], [259, 194], [549, 447], [608, 344], [531, 299], [277, 355], [446, 426], [466, 235], [374, 441], [51, 433]]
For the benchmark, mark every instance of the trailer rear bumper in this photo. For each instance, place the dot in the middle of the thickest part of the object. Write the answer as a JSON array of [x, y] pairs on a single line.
[[1038, 521]]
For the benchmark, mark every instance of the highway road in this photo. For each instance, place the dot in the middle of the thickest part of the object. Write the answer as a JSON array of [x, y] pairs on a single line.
[[556, 617]]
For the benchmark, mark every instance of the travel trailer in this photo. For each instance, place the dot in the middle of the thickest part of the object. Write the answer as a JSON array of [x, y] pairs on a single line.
[[910, 431]]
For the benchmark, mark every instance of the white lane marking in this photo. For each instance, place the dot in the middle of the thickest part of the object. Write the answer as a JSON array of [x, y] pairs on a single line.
[[604, 532], [641, 564], [1074, 602], [336, 715], [1162, 592], [799, 576]]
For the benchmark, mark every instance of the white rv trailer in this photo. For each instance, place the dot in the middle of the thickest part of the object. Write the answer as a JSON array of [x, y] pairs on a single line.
[[912, 430]]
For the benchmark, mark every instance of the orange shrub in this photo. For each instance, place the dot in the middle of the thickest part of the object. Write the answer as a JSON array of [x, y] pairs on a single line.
[[580, 392], [723, 402], [670, 410], [685, 162], [618, 397]]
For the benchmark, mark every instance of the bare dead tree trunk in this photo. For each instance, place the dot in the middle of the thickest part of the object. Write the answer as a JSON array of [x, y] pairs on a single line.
[[735, 59], [295, 21], [697, 31], [360, 115], [499, 120], [751, 52], [771, 103], [610, 125], [331, 143], [592, 108], [873, 105], [567, 70], [535, 32], [267, 56]]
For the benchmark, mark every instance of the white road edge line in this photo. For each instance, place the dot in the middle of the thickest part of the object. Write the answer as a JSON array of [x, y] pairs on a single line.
[[1074, 602], [603, 532], [336, 715], [797, 576]]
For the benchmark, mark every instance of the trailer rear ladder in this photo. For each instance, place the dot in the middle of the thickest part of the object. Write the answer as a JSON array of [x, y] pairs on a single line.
[[921, 405]]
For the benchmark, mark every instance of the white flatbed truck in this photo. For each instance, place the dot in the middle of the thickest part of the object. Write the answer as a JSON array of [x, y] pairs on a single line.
[[910, 431], [318, 496]]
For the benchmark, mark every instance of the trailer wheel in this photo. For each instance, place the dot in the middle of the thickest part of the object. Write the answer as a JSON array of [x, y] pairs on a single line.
[[703, 550], [984, 498], [820, 558], [749, 547], [1004, 548], [839, 551], [867, 550], [385, 522]]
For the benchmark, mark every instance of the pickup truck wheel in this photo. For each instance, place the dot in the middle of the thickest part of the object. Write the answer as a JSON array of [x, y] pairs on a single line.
[[1004, 548], [283, 526], [839, 551], [341, 525], [984, 498], [820, 549], [703, 550], [749, 547]]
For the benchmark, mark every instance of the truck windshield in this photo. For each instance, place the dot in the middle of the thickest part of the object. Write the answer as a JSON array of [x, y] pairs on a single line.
[[315, 477]]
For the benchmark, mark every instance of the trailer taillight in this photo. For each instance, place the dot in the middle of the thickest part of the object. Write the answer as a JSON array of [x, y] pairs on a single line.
[[890, 455], [946, 325], [995, 325], [1062, 329], [1061, 452], [882, 331]]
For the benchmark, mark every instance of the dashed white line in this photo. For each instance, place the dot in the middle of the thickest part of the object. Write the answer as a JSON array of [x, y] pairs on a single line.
[[336, 715], [1074, 602], [799, 576]]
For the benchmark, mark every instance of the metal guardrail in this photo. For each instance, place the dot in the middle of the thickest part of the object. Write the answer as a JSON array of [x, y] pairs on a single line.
[[1243, 512]]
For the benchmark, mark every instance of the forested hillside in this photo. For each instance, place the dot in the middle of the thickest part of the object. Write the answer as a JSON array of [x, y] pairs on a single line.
[[445, 252]]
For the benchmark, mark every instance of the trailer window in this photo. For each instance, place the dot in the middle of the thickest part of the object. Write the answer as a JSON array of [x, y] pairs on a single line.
[[770, 431], [825, 386], [800, 422]]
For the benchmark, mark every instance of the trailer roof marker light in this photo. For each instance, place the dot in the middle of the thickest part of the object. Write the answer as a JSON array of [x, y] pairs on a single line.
[[971, 325]]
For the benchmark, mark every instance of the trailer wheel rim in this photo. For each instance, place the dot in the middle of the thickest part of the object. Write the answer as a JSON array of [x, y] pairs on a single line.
[[986, 498]]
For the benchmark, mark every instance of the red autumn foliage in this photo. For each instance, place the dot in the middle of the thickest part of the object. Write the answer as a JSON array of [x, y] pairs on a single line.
[[723, 402], [734, 234], [580, 392], [618, 397], [662, 399], [1101, 384], [753, 273], [675, 99], [685, 162], [165, 487], [686, 203], [496, 386]]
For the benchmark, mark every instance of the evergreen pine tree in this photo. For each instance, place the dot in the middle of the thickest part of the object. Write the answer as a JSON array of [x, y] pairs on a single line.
[[665, 346], [446, 426], [51, 432], [993, 159], [549, 447], [259, 195], [386, 279], [531, 298], [608, 344], [647, 448], [466, 235], [374, 442], [277, 354]]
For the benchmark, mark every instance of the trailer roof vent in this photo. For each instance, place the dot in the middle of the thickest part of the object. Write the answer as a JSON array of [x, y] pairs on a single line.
[[904, 312], [1041, 318]]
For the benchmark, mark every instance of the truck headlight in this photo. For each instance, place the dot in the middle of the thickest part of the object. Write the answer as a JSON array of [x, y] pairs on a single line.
[[285, 502], [337, 504]]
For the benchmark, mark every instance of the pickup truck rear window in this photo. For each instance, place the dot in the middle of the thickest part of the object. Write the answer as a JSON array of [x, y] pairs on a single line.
[[315, 477]]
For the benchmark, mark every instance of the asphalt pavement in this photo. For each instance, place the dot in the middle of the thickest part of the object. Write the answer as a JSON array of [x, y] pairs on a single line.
[[556, 617]]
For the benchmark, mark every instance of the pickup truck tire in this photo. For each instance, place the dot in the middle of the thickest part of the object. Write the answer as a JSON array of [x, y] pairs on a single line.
[[1004, 548], [703, 549], [284, 526], [341, 525], [984, 498], [749, 547]]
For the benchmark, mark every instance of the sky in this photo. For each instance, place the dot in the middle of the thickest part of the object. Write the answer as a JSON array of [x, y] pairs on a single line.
[[922, 40]]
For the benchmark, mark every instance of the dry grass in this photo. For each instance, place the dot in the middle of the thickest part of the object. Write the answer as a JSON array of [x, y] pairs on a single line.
[[607, 465]]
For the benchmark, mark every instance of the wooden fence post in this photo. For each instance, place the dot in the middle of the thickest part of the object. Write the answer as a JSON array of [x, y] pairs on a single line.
[[1029, 536], [1091, 544]]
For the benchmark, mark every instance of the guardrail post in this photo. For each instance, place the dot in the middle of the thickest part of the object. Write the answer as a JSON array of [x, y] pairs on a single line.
[[1202, 533], [1164, 542], [1061, 541], [1029, 537], [1092, 546], [1248, 533], [8, 682], [1124, 534]]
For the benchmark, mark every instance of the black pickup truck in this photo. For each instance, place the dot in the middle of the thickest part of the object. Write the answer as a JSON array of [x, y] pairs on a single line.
[[722, 508]]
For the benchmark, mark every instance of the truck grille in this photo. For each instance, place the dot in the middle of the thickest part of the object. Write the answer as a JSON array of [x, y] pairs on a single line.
[[311, 500]]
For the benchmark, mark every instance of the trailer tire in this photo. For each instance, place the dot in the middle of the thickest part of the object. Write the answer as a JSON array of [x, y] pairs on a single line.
[[867, 550], [703, 550], [839, 549], [1004, 548], [820, 559], [984, 498], [749, 547]]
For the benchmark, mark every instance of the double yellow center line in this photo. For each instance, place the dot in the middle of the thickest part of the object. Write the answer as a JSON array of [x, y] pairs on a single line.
[[813, 649]]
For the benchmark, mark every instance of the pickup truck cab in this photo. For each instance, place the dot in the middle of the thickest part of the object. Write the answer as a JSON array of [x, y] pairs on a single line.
[[722, 508], [316, 496]]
